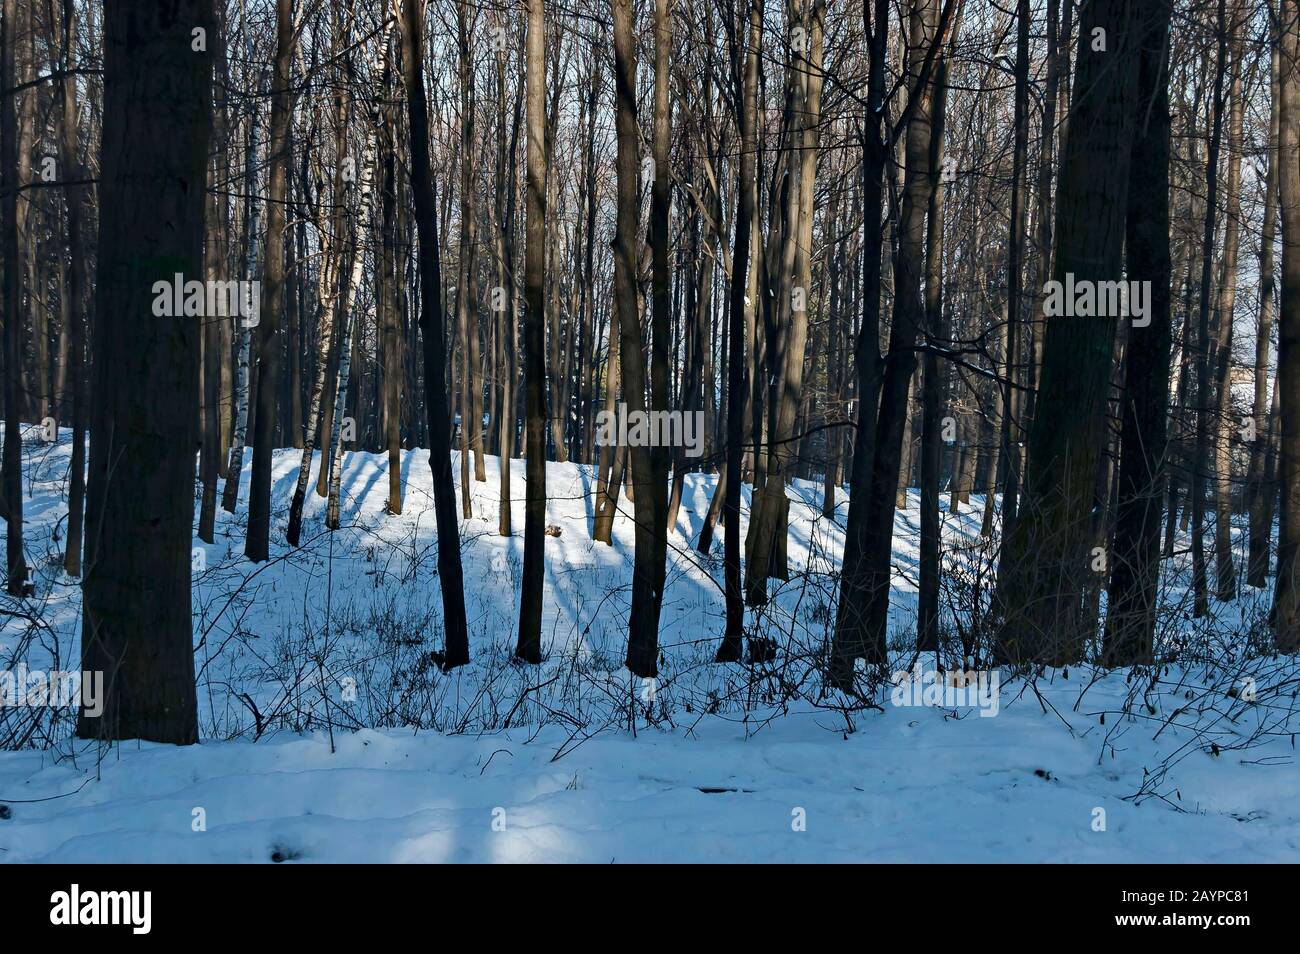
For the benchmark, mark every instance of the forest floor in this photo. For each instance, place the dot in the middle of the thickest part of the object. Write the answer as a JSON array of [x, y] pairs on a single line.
[[330, 734]]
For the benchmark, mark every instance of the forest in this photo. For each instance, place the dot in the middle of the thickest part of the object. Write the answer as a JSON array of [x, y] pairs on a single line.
[[663, 393]]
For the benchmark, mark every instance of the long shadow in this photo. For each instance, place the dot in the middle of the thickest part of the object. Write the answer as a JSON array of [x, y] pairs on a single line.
[[351, 462]]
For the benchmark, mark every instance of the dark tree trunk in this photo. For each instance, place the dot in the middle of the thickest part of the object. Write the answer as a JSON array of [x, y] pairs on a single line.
[[529, 646], [909, 314], [144, 430], [268, 344], [650, 572], [16, 574], [473, 411], [746, 98], [450, 573], [1046, 563], [851, 633], [1200, 463], [1287, 606], [932, 389], [507, 334], [1135, 562]]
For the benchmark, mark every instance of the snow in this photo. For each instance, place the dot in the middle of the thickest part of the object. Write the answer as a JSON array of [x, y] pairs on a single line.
[[575, 760]]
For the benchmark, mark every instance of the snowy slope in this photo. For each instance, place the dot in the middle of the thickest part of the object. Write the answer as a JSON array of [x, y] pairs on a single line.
[[330, 734]]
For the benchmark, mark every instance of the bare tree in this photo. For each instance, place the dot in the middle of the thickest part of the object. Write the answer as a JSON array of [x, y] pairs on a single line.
[[529, 646], [1261, 490], [140, 505], [16, 573], [77, 288], [1135, 568], [450, 573], [268, 346], [1045, 562], [650, 566], [1287, 607]]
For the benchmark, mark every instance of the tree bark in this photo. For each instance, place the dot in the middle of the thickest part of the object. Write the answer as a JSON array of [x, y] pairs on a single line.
[[909, 314], [746, 100], [1201, 456], [144, 429], [1135, 564], [769, 522], [390, 318], [1045, 560], [16, 573], [508, 334], [78, 284], [1286, 616], [851, 639], [1260, 492], [1225, 577], [529, 645], [268, 345], [932, 388], [235, 468], [450, 573]]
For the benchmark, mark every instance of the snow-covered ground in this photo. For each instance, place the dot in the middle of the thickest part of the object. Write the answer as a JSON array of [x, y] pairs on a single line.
[[331, 735]]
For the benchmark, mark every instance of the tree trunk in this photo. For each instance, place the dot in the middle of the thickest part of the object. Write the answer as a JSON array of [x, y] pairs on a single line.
[[390, 318], [472, 415], [1045, 559], [588, 404], [78, 284], [325, 321], [529, 646], [1287, 606], [16, 574], [36, 393], [450, 573], [1201, 456], [1135, 563], [768, 522], [746, 100], [1257, 488], [507, 335], [851, 637], [216, 252], [140, 500], [909, 314], [609, 475], [268, 345], [1224, 425], [932, 389], [235, 468], [369, 162]]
